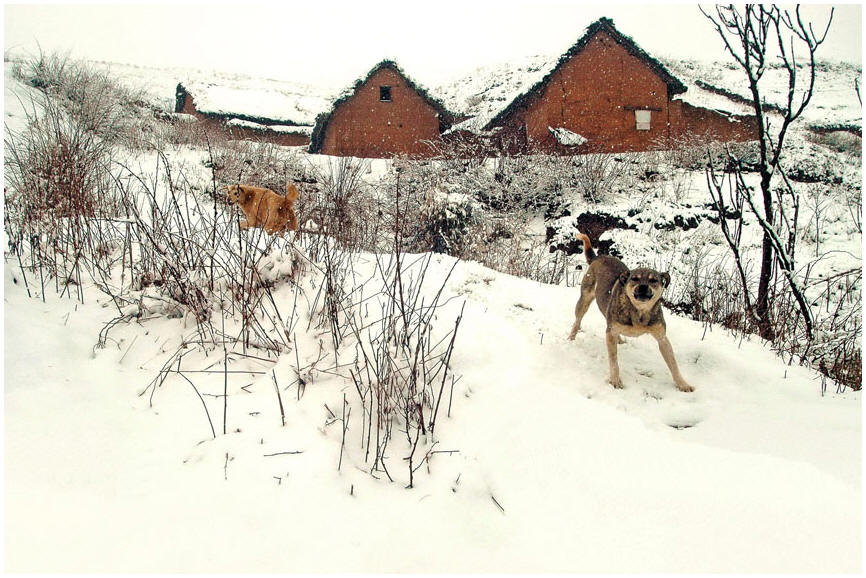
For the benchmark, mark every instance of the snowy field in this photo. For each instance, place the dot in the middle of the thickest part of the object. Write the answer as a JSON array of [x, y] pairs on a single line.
[[553, 471], [538, 465]]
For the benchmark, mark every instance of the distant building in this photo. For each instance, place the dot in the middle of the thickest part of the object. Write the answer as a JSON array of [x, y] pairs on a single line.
[[270, 111], [605, 94], [384, 114]]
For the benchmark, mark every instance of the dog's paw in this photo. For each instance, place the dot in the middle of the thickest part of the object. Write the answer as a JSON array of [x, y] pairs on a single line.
[[685, 387], [616, 382]]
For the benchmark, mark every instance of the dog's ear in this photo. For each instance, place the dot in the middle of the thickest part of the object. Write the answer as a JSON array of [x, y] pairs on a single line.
[[666, 279], [623, 278], [292, 193]]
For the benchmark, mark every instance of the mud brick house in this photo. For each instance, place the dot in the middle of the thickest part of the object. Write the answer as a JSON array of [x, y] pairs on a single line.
[[270, 111], [605, 94], [384, 114]]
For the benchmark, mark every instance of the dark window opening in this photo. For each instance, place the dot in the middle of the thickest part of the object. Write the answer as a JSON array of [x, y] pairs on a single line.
[[385, 93]]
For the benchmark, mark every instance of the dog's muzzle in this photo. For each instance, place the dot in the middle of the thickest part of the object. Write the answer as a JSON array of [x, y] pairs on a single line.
[[643, 293]]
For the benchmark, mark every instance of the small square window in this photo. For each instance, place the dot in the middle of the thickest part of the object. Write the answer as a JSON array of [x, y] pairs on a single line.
[[643, 118], [385, 93]]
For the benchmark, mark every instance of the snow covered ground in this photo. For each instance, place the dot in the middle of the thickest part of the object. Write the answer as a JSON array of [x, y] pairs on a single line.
[[554, 470]]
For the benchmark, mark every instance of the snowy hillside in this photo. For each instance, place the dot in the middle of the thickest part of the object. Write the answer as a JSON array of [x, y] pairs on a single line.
[[182, 395]]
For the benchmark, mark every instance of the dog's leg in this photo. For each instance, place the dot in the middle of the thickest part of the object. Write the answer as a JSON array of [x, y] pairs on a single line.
[[587, 294], [245, 224], [612, 340], [668, 354]]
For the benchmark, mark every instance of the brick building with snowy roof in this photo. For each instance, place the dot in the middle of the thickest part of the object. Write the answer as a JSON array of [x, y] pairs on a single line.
[[382, 115], [272, 111], [604, 94]]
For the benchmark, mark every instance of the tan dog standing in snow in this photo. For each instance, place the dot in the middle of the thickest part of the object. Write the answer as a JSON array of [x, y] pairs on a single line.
[[265, 208], [631, 303]]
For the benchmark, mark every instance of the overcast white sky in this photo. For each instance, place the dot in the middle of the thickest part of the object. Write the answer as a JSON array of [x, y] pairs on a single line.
[[335, 42]]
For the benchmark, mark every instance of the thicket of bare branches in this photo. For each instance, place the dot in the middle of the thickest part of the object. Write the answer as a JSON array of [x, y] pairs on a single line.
[[781, 301], [751, 34]]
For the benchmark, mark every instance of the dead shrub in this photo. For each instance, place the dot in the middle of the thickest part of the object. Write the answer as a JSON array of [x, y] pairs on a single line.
[[57, 168]]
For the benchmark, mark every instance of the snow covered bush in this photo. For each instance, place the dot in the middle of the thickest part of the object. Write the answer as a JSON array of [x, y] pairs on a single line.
[[176, 130], [482, 212], [596, 175], [446, 223], [60, 202], [56, 167], [343, 206], [265, 164], [402, 372], [841, 141], [371, 317], [191, 249], [694, 151]]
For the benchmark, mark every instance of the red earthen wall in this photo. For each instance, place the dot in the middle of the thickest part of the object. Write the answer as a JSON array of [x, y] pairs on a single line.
[[189, 106], [364, 126], [595, 94], [694, 122]]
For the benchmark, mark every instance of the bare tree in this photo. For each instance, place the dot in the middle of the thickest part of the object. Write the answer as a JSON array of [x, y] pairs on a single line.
[[754, 35]]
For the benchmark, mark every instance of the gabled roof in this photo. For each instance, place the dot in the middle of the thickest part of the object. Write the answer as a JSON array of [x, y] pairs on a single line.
[[601, 25], [446, 118]]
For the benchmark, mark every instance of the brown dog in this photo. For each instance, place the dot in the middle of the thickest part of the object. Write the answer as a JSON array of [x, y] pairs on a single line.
[[631, 303], [265, 208]]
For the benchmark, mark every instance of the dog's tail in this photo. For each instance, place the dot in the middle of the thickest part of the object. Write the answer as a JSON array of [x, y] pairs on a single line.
[[587, 247]]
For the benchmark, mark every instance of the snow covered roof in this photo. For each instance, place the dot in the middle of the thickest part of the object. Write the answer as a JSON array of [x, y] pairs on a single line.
[[486, 91], [720, 86], [259, 100]]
